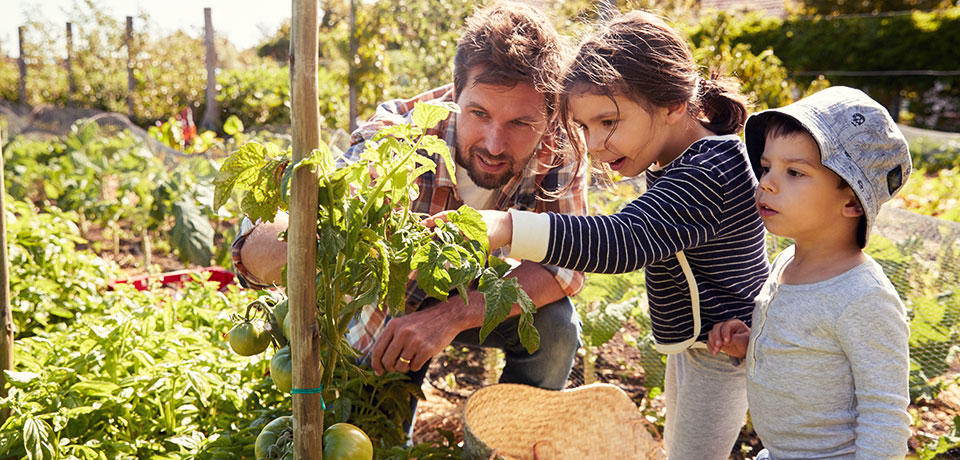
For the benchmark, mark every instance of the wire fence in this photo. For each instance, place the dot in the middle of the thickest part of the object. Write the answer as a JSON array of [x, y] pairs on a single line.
[[920, 255]]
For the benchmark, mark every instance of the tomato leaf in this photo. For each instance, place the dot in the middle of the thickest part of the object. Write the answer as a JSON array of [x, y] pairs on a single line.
[[192, 234], [426, 115]]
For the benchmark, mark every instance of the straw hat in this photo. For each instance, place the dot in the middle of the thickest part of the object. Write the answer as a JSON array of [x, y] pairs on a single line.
[[519, 422]]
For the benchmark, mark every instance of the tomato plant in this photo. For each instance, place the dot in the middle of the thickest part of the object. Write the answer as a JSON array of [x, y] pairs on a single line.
[[369, 242]]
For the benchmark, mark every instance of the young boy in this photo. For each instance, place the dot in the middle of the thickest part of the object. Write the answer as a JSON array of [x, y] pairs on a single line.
[[827, 358]]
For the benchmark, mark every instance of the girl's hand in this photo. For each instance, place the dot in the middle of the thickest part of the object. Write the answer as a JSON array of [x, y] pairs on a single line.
[[499, 226], [731, 337]]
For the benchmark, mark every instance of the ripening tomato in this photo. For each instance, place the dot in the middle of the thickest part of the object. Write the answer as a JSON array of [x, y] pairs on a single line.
[[249, 337], [275, 439], [343, 441]]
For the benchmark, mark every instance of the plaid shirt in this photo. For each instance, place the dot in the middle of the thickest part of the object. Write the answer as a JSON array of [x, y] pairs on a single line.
[[438, 193]]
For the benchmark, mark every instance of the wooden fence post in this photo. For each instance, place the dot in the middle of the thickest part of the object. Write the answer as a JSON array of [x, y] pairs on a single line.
[[302, 234], [352, 75], [23, 70], [6, 316], [73, 83], [131, 85], [211, 115]]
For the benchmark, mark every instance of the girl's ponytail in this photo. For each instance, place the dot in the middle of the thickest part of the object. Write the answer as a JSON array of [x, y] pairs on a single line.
[[723, 109]]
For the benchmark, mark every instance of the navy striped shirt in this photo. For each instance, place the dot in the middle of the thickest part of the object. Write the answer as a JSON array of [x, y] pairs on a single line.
[[701, 203]]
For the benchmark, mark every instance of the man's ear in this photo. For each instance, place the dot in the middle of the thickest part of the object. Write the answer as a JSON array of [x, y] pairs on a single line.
[[852, 208]]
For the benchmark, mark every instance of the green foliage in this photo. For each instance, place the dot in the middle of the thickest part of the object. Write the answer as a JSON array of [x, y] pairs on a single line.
[[113, 179], [136, 376], [368, 240], [51, 283], [446, 448], [763, 77], [903, 42], [826, 7], [933, 155], [257, 95], [929, 290], [933, 193]]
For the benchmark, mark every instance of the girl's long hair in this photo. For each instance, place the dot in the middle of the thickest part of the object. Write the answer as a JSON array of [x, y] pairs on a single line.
[[638, 55]]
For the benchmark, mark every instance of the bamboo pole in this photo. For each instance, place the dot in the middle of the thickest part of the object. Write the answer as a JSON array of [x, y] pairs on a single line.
[[302, 234], [6, 317], [211, 115]]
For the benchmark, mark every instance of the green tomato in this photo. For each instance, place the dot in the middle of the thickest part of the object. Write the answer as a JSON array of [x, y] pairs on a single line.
[[285, 328], [281, 370], [275, 438], [343, 441], [249, 337], [280, 314]]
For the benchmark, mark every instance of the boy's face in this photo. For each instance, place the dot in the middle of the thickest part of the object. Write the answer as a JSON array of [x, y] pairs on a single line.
[[798, 197]]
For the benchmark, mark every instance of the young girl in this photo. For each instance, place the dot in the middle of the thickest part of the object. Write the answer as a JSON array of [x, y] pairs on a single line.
[[635, 95]]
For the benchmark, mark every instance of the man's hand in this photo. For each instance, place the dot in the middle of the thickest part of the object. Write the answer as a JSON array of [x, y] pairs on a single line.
[[731, 337], [499, 226], [409, 341]]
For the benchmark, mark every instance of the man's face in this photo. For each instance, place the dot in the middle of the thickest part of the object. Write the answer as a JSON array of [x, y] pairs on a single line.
[[498, 130]]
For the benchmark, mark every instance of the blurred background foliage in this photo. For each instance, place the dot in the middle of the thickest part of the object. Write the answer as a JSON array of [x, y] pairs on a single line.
[[900, 51]]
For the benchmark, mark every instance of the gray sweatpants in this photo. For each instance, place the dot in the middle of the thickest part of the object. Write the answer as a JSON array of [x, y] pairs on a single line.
[[706, 400]]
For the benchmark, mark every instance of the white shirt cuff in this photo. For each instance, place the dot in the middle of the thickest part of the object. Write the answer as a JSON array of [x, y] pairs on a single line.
[[531, 235]]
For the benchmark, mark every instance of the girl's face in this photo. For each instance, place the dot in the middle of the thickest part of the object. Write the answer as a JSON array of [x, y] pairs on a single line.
[[620, 132]]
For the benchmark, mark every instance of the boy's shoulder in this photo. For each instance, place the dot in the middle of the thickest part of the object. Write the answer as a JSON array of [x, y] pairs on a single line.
[[864, 281]]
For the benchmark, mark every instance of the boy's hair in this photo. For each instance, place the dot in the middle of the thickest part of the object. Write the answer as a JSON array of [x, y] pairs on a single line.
[[638, 55], [513, 43], [857, 138], [779, 125]]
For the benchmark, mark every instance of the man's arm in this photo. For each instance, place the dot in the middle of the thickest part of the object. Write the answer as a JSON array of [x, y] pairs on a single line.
[[421, 335]]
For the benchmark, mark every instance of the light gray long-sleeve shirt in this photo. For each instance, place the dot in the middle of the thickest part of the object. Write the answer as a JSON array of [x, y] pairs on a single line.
[[828, 365]]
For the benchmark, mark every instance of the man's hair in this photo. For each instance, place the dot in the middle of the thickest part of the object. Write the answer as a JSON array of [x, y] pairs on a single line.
[[513, 43]]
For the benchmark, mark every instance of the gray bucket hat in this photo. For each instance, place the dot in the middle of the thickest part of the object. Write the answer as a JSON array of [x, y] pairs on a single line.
[[858, 140]]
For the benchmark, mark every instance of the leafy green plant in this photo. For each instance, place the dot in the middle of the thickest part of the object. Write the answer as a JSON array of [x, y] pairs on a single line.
[[368, 240], [136, 376], [51, 283]]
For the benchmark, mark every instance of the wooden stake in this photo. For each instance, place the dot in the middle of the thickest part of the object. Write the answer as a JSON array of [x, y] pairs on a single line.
[[70, 79], [131, 84], [302, 234], [6, 316], [23, 70], [352, 78], [211, 114]]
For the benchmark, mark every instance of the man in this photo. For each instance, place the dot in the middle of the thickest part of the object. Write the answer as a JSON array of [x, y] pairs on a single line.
[[504, 144]]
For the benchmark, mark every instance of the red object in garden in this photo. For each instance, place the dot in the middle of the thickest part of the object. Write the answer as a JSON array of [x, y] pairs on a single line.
[[177, 278]]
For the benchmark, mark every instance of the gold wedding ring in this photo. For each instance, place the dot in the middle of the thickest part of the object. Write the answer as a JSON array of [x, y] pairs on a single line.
[[403, 360]]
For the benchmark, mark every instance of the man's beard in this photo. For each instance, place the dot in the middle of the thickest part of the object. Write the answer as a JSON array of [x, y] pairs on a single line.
[[482, 179]]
